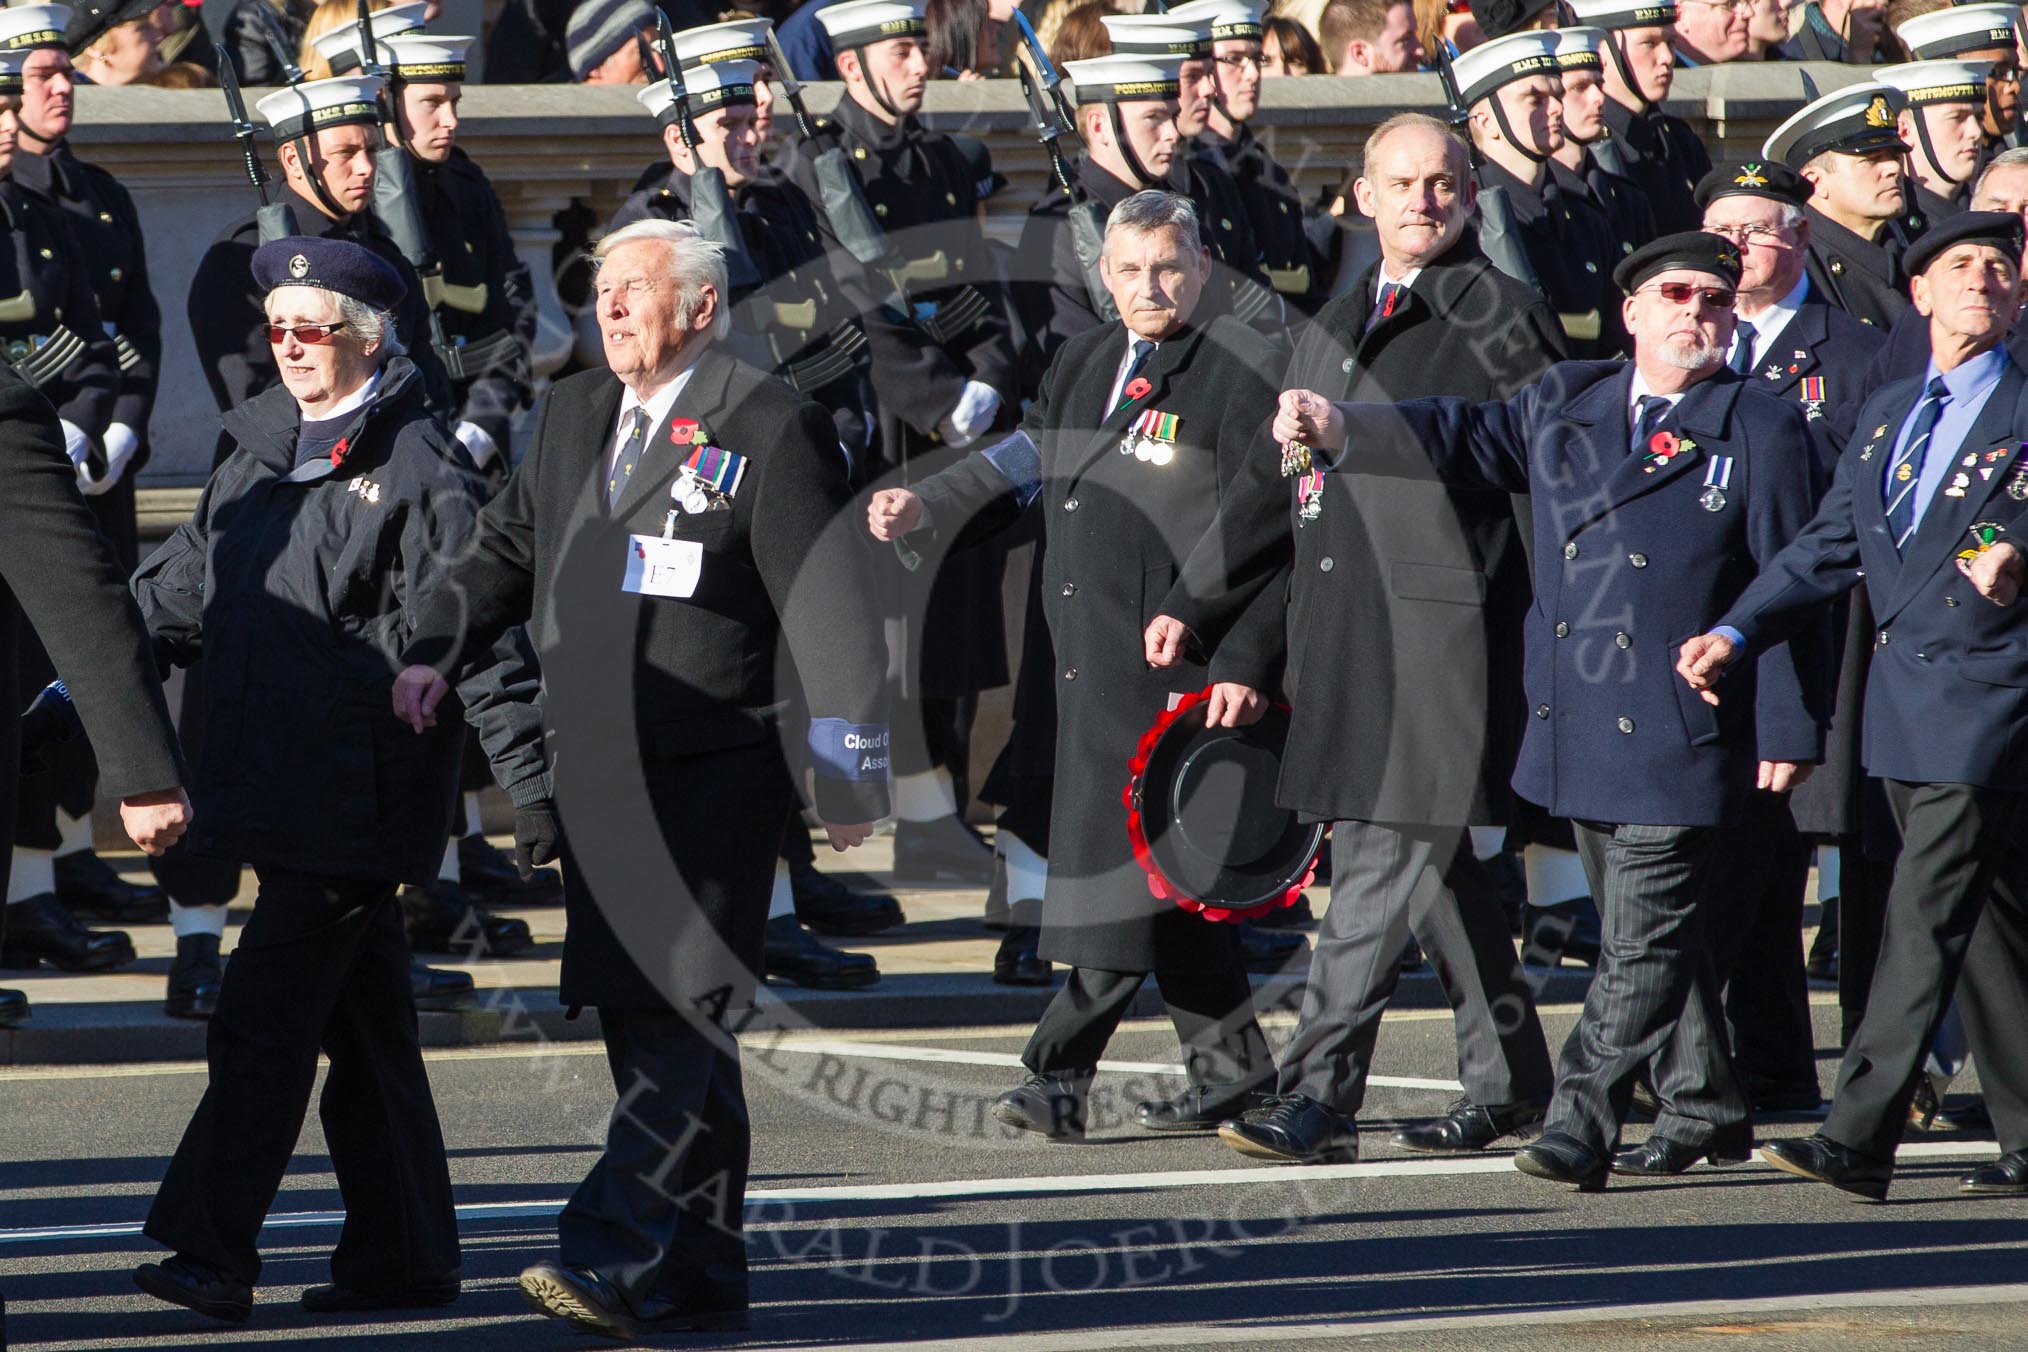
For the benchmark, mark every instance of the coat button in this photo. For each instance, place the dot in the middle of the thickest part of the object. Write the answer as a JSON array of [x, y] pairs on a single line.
[[1070, 504], [1346, 366], [859, 152], [46, 253], [1324, 565], [1070, 589], [880, 210], [1562, 629], [1950, 600], [116, 273], [1570, 550], [1638, 560], [1542, 711], [1626, 725], [1623, 640], [1881, 641], [1070, 673], [105, 217]]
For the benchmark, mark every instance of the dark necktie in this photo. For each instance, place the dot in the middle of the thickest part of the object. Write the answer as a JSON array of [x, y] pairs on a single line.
[[1653, 408], [629, 456], [1383, 307], [1906, 471], [1742, 348], [1142, 349]]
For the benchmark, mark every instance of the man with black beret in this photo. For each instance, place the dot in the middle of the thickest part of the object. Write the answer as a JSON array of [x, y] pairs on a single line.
[[1656, 482], [1935, 477], [1848, 146]]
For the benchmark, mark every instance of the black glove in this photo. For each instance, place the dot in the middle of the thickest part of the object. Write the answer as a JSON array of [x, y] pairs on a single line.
[[535, 837], [50, 718]]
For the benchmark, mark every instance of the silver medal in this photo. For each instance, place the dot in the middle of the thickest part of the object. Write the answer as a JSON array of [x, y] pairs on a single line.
[[1713, 499]]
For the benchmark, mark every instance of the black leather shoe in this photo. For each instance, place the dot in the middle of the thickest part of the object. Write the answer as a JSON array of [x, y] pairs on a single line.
[[1659, 1155], [828, 906], [193, 1285], [194, 978], [1293, 1129], [945, 850], [437, 989], [13, 1008], [578, 1296], [2006, 1176], [1051, 1105], [1198, 1108], [1017, 963], [1468, 1127], [88, 886], [792, 954], [444, 917], [1411, 958], [343, 1299], [39, 930], [1568, 930], [1822, 1160], [1296, 916], [489, 872], [1562, 1158], [1267, 950]]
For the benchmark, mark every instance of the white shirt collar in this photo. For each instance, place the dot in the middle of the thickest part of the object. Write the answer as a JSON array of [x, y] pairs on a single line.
[[658, 405], [1381, 278], [1768, 325], [1126, 359], [349, 404], [1639, 390]]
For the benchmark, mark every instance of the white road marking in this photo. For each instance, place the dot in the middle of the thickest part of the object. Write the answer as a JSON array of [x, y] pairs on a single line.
[[986, 1187]]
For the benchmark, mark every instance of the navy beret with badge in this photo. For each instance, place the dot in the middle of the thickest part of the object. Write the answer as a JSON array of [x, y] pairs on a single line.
[[1755, 178], [1695, 250], [2001, 229], [329, 265]]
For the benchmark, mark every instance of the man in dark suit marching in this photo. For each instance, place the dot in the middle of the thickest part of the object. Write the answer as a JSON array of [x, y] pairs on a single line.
[[1655, 483], [1935, 477], [671, 526], [1127, 453], [1403, 628]]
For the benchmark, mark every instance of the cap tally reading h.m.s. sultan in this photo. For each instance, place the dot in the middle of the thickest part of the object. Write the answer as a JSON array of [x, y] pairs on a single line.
[[1503, 61], [1692, 250], [316, 105], [1613, 15], [1227, 18], [1953, 31], [1157, 35]]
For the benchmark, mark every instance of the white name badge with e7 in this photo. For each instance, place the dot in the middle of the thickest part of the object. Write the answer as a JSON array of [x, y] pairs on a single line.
[[659, 567]]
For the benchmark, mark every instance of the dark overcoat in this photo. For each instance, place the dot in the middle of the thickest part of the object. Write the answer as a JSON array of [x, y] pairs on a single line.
[[1663, 155], [1862, 277], [1571, 246], [46, 294]]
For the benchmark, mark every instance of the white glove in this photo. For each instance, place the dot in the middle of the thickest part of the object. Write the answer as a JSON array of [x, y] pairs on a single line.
[[122, 442], [77, 444], [477, 441], [976, 409]]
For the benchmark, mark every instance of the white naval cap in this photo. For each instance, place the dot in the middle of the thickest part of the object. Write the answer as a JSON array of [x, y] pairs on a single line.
[[1613, 15], [425, 58], [1481, 70], [340, 47], [26, 27], [1228, 18], [858, 22], [717, 85], [1925, 82], [1156, 35], [739, 40], [1125, 79], [1854, 120], [1579, 48], [314, 105], [12, 64], [1953, 32]]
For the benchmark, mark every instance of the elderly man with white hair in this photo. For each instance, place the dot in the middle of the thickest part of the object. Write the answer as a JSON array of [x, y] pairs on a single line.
[[675, 522]]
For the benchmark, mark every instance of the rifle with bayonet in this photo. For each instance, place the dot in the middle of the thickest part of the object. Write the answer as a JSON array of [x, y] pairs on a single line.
[[276, 41], [843, 196], [1043, 89], [274, 219], [711, 209]]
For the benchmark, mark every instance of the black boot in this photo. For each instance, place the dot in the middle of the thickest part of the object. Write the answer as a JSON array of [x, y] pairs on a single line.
[[1823, 961], [945, 850], [13, 1008], [445, 918], [1017, 963], [437, 989], [1052, 1105], [88, 886], [828, 906], [794, 955], [194, 978], [1267, 950], [488, 872], [39, 930]]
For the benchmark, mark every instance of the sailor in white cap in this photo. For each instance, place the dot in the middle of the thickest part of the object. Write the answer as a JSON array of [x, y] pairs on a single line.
[[1847, 144], [743, 39], [339, 47], [1987, 34], [1943, 126], [1531, 229], [1655, 149], [1573, 167], [947, 347]]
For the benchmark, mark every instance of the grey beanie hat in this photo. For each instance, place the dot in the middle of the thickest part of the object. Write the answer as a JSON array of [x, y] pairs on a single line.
[[599, 28]]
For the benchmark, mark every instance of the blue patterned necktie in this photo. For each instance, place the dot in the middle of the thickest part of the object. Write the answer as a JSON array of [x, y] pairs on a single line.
[[1906, 472], [1653, 407], [1742, 348], [629, 456]]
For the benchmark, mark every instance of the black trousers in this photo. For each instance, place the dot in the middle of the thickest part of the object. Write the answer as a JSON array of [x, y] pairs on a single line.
[[1863, 883], [661, 1212], [1388, 882], [1212, 1010], [1655, 995], [1958, 907], [322, 963]]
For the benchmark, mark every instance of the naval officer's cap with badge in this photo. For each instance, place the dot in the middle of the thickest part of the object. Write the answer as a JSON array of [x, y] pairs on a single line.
[[1956, 30], [1856, 120]]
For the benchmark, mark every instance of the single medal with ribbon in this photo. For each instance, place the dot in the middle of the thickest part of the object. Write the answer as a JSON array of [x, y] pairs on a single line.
[[1985, 534], [708, 479], [1310, 497], [1152, 437], [1717, 478]]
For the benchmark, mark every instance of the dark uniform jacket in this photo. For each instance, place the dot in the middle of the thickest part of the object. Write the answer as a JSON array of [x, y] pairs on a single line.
[[296, 588], [60, 573], [1629, 218], [1926, 209], [1121, 532], [1407, 597], [1661, 153], [228, 319], [1861, 277], [489, 293], [1222, 219], [49, 321], [1629, 563], [1053, 294], [1571, 246], [102, 216], [1274, 211], [665, 715], [1947, 687]]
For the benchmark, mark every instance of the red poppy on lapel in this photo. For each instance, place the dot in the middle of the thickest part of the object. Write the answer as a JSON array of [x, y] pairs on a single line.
[[338, 451], [1138, 387], [1663, 443], [683, 431]]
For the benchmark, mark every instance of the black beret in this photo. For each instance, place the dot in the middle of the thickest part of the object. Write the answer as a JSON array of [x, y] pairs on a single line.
[[1691, 249], [91, 20], [2001, 229], [1498, 18], [330, 265], [1755, 178]]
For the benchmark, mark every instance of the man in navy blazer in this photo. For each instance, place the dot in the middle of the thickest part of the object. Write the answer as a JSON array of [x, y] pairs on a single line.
[[1935, 475], [1659, 487]]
